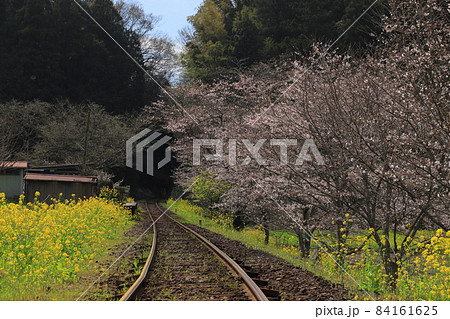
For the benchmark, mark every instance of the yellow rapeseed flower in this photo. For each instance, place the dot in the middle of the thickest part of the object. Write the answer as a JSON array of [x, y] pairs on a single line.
[[55, 236]]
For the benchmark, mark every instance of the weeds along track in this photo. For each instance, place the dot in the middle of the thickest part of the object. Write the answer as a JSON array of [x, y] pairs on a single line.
[[183, 265]]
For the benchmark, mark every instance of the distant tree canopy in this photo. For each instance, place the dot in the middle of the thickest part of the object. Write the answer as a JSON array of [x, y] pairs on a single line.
[[63, 132], [52, 49], [235, 33]]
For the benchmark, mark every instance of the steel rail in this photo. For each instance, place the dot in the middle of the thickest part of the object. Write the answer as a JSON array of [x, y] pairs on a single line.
[[132, 292], [249, 283]]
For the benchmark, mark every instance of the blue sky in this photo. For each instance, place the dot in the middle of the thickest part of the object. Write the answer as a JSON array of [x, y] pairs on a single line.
[[173, 14]]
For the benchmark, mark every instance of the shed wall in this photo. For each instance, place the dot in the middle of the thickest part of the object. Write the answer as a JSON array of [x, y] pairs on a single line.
[[11, 185], [51, 189]]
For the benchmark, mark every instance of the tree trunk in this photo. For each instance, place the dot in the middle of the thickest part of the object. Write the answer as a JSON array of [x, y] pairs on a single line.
[[391, 270], [266, 235], [304, 242], [340, 258], [238, 222]]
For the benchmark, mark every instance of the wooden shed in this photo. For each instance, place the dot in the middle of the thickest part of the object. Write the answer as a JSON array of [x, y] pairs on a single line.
[[50, 186], [59, 169], [11, 178]]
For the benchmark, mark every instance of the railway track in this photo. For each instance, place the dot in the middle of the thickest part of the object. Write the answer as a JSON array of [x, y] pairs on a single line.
[[180, 268]]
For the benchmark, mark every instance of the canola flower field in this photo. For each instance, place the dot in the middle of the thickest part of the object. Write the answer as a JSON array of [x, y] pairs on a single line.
[[45, 247], [423, 274]]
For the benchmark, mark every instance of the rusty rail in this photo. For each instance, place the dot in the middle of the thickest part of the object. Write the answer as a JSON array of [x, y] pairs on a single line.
[[252, 287], [132, 292], [249, 283]]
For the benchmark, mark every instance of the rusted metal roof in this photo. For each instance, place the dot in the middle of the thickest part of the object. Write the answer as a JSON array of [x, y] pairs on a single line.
[[20, 164], [61, 178], [61, 166]]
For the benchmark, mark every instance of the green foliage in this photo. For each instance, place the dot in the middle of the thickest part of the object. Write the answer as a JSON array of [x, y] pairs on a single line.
[[367, 28], [52, 50], [19, 124], [235, 34], [207, 192], [208, 189], [56, 133], [209, 49], [246, 37], [110, 194], [62, 137]]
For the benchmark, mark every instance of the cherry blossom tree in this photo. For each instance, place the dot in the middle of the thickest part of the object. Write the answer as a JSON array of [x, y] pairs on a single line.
[[381, 125]]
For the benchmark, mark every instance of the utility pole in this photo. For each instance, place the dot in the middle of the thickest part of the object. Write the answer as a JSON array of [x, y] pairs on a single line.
[[83, 172]]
